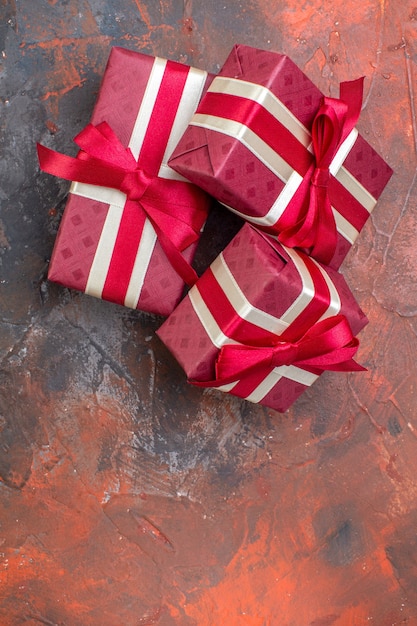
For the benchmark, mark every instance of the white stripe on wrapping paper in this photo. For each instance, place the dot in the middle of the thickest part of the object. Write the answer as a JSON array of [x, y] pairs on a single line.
[[140, 267], [357, 190], [335, 303], [344, 149], [103, 255], [227, 388], [102, 258], [263, 96], [344, 177], [284, 198], [240, 303], [285, 371], [307, 291], [248, 138], [147, 105], [279, 205], [213, 330], [297, 374], [269, 382], [107, 195], [344, 227], [190, 98]]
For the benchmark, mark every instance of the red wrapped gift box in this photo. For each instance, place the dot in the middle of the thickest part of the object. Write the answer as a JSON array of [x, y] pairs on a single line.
[[258, 293], [131, 210], [265, 143]]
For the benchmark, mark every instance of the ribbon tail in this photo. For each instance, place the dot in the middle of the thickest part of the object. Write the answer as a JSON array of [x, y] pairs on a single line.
[[351, 92], [181, 233], [302, 233], [92, 171], [325, 240], [347, 366], [340, 360], [330, 345], [316, 232], [180, 265]]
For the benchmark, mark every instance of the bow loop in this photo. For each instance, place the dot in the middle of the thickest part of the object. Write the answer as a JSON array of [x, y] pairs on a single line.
[[327, 130], [315, 227], [102, 143], [327, 345]]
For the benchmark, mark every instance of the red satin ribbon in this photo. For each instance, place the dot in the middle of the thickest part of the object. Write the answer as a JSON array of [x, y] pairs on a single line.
[[316, 229], [327, 345], [104, 161]]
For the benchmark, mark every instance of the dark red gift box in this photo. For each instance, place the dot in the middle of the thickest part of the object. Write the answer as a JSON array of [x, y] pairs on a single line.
[[130, 218], [265, 143], [258, 296]]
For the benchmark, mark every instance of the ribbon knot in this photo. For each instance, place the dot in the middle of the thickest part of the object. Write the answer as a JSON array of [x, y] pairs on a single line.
[[315, 227], [283, 354], [321, 177], [135, 183]]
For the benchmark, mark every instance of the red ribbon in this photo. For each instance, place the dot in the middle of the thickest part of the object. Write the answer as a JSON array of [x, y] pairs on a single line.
[[327, 345], [104, 161], [316, 229]]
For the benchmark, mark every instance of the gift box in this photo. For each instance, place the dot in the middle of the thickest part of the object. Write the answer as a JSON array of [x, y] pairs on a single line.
[[267, 144], [274, 314], [131, 224]]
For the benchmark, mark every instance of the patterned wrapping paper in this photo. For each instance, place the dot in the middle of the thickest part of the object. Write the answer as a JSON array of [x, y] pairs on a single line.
[[106, 246], [257, 288], [249, 145]]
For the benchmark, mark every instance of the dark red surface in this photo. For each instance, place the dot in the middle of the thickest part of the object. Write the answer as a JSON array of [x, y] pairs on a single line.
[[128, 497]]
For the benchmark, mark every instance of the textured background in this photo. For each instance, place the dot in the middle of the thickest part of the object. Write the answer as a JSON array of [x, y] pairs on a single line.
[[129, 497]]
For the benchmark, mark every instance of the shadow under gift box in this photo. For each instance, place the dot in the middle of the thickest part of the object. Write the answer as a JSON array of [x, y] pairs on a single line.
[[249, 145], [106, 246], [255, 288]]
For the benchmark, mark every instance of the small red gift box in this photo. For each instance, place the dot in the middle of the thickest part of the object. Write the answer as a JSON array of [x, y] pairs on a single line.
[[263, 322], [131, 224], [265, 143]]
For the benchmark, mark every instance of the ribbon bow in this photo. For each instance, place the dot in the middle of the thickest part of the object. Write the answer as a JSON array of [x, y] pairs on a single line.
[[104, 161], [328, 345], [335, 119]]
